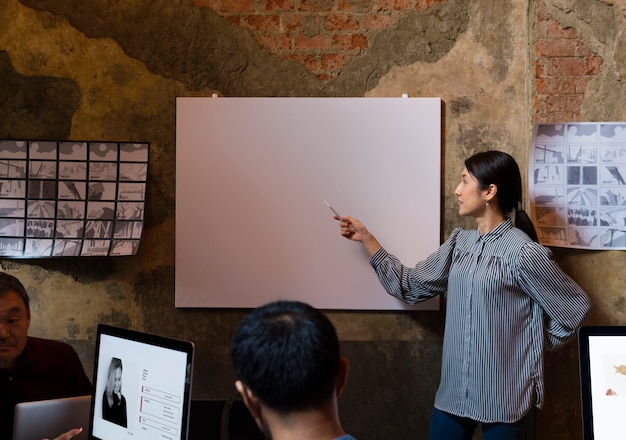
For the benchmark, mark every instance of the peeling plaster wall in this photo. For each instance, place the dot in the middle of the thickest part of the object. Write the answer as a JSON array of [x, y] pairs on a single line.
[[112, 70]]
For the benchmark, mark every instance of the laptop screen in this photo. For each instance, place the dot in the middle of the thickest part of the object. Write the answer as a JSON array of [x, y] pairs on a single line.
[[142, 386], [602, 353]]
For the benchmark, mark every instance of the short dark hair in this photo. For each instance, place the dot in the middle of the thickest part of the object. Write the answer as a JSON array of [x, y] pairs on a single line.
[[287, 353], [9, 283]]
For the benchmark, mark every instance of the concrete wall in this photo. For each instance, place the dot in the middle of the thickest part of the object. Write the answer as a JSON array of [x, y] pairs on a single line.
[[111, 70]]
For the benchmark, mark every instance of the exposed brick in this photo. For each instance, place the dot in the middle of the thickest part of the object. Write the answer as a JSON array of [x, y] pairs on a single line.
[[307, 30], [560, 47], [393, 5], [310, 62], [556, 85], [425, 4], [554, 30], [566, 67], [354, 5], [317, 5], [213, 4], [237, 6], [262, 22], [350, 42], [594, 64], [343, 22], [291, 23], [580, 83], [316, 42], [378, 21], [563, 103], [275, 42], [334, 62], [279, 5]]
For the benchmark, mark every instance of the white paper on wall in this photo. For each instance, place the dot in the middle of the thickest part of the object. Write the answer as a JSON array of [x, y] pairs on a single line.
[[577, 179], [71, 198]]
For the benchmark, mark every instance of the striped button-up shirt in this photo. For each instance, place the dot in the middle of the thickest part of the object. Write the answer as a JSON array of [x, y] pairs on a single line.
[[506, 301]]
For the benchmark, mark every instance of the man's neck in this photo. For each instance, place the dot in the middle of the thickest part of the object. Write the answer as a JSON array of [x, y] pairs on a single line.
[[306, 425]]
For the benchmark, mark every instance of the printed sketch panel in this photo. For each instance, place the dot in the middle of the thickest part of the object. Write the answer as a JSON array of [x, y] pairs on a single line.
[[95, 248], [124, 247], [42, 189], [41, 209], [39, 228], [12, 227], [72, 190], [103, 171], [133, 171], [36, 247], [65, 199], [131, 191], [13, 188], [11, 247], [70, 209], [70, 229], [43, 150], [12, 208], [73, 151], [67, 248], [73, 170], [13, 149], [103, 151], [133, 152], [13, 169], [102, 191], [579, 202]]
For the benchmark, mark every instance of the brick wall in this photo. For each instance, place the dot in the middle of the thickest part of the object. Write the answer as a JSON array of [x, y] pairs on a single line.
[[323, 35], [563, 67]]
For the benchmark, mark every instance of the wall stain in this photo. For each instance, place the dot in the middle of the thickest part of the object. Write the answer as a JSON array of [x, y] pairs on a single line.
[[203, 50], [35, 107]]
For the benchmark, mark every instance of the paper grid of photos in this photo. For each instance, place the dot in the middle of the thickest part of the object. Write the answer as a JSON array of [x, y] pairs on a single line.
[[578, 184], [68, 198]]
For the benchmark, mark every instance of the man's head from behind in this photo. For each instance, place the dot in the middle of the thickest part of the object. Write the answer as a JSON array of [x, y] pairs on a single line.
[[14, 319], [287, 354]]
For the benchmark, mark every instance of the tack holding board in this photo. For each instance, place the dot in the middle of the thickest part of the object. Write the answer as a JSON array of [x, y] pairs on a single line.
[[252, 178]]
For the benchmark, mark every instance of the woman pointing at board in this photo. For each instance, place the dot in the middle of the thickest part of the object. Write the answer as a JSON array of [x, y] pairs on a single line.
[[507, 301]]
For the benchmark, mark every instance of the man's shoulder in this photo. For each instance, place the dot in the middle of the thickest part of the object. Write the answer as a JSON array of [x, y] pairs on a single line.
[[42, 344], [345, 437]]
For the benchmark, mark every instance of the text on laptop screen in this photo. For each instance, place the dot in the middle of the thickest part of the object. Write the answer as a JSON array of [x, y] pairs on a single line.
[[142, 386]]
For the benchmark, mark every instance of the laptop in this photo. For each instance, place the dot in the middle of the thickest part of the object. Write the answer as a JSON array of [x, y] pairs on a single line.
[[50, 418], [142, 386], [602, 358]]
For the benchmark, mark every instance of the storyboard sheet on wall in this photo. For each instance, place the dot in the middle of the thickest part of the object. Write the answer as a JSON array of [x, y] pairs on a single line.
[[578, 184], [255, 176], [71, 198]]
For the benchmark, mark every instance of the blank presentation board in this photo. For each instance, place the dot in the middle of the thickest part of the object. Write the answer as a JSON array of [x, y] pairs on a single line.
[[252, 175]]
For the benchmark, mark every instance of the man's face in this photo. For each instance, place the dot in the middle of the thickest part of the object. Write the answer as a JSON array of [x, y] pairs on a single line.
[[14, 323]]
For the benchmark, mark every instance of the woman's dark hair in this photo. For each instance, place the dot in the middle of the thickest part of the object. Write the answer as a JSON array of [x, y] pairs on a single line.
[[500, 169]]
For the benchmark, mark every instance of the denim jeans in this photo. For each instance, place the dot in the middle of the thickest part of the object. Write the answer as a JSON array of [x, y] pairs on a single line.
[[444, 426]]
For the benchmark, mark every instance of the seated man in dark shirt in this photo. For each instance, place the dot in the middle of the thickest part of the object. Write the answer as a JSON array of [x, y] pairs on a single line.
[[31, 368]]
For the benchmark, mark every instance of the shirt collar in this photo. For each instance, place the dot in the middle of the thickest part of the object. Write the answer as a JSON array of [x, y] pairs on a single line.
[[503, 227]]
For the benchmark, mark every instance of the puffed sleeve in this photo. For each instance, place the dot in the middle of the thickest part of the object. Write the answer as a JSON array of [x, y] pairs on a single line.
[[411, 285], [564, 303]]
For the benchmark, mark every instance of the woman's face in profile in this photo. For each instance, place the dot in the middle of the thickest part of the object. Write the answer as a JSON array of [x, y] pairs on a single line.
[[117, 380]]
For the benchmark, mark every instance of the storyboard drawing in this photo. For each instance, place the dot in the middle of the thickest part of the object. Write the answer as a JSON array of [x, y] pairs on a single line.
[[71, 198], [577, 179]]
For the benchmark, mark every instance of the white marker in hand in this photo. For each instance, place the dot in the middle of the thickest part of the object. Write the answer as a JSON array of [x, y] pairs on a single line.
[[335, 212]]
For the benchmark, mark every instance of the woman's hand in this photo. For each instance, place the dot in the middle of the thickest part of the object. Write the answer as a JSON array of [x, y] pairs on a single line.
[[354, 230]]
